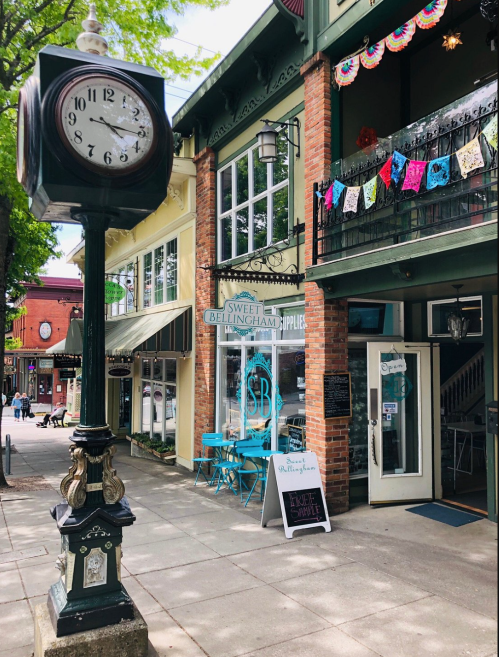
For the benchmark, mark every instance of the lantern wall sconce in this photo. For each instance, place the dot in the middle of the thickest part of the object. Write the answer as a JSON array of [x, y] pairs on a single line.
[[458, 324], [267, 139]]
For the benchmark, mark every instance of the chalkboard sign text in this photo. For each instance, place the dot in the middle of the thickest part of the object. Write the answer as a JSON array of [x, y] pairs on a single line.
[[337, 395], [304, 507]]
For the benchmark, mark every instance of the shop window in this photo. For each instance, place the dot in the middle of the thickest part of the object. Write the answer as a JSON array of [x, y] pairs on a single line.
[[253, 203], [261, 382], [160, 275], [159, 399], [374, 318], [439, 311], [124, 276], [130, 287]]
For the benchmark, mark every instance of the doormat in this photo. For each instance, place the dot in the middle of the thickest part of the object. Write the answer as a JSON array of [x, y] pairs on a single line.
[[444, 514]]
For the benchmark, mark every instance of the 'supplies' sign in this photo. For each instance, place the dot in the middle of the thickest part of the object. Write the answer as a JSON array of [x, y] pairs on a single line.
[[294, 491]]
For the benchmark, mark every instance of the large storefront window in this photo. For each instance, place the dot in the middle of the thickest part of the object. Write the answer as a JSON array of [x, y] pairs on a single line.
[[159, 399], [261, 391]]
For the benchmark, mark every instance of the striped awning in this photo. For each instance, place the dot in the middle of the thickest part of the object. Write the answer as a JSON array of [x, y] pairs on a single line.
[[170, 330]]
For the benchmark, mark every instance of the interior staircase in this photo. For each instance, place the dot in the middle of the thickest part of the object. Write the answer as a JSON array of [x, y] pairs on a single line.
[[464, 392]]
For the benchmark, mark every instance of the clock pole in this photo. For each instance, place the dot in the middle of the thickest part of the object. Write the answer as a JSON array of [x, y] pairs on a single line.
[[89, 594]]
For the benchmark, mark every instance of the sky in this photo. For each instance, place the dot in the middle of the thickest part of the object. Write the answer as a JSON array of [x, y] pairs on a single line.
[[217, 31]]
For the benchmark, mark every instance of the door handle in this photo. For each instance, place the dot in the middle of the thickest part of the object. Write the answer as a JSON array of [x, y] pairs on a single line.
[[373, 442]]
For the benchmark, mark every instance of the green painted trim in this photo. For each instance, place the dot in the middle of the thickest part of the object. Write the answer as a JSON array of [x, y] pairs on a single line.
[[296, 110], [343, 35], [228, 62], [489, 396], [404, 252]]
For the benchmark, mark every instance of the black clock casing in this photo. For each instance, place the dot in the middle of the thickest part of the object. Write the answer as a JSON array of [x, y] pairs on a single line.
[[64, 190]]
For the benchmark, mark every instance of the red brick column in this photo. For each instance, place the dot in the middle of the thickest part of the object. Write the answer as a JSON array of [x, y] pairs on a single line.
[[326, 329], [204, 376]]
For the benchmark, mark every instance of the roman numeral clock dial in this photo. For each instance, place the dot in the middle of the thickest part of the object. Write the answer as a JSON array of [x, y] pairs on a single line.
[[107, 125]]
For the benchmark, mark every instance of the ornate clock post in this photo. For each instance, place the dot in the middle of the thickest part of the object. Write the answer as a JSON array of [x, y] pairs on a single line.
[[105, 160]]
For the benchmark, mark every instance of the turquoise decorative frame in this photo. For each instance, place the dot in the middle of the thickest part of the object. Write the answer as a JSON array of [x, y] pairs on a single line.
[[248, 297], [258, 361]]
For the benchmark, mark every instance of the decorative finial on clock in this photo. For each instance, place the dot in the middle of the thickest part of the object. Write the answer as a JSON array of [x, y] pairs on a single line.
[[90, 40]]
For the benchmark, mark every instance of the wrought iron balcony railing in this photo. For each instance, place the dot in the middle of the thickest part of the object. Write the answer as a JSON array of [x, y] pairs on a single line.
[[401, 216]]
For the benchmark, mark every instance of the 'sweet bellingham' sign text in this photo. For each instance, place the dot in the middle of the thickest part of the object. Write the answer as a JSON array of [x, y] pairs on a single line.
[[244, 314]]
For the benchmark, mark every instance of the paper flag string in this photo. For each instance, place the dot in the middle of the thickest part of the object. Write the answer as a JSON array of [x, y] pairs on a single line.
[[414, 175], [398, 162], [431, 14], [351, 199], [401, 37], [470, 157], [372, 55], [347, 71], [370, 192], [328, 199], [386, 171], [438, 172], [338, 187], [490, 132]]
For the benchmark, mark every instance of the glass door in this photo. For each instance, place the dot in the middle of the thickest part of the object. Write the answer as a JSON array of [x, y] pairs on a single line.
[[400, 422], [125, 406]]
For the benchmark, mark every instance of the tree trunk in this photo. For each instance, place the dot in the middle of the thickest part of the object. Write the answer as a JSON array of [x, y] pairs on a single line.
[[5, 259]]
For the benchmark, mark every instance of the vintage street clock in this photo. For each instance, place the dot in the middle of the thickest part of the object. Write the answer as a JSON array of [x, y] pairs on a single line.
[[93, 135]]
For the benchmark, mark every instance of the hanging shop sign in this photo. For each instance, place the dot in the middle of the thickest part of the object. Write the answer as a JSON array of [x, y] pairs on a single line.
[[119, 370], [45, 363], [65, 375], [113, 292], [337, 399], [294, 492], [393, 366], [64, 362], [244, 314]]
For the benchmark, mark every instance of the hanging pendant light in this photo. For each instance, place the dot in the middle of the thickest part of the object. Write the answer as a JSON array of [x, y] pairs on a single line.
[[458, 324], [453, 38]]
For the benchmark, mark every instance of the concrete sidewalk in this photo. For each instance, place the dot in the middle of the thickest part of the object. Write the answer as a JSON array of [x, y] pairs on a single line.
[[210, 581]]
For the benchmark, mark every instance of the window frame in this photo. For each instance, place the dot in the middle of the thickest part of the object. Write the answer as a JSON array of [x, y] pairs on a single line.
[[251, 153], [166, 274], [453, 300]]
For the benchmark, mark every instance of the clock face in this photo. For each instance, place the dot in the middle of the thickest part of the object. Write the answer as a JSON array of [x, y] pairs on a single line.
[[45, 330], [106, 124]]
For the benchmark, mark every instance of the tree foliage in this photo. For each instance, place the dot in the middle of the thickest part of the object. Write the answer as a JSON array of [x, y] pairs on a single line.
[[136, 30]]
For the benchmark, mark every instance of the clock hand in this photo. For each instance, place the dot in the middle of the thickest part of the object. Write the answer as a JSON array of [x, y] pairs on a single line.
[[108, 125]]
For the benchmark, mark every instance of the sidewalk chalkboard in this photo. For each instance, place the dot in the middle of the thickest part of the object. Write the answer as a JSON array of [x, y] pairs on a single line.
[[296, 438], [294, 492], [337, 395]]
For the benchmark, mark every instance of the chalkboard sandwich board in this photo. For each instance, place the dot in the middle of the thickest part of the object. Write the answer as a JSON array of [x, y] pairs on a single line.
[[296, 435], [294, 492], [337, 395]]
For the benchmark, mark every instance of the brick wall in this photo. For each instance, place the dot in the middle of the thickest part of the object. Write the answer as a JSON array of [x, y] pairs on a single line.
[[326, 331], [204, 402], [42, 310]]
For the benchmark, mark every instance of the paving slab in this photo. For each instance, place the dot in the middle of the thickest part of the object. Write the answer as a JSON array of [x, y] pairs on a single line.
[[26, 651], [243, 622], [171, 553], [145, 603], [209, 522], [16, 625], [432, 627], [11, 587], [348, 592], [327, 643], [184, 508], [150, 532], [286, 561], [167, 639], [38, 579], [199, 581], [242, 538]]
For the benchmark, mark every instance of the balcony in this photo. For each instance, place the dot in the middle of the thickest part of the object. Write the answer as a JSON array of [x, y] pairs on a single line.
[[398, 216]]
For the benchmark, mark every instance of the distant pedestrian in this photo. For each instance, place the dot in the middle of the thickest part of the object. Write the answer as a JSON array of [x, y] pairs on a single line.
[[25, 406], [58, 413], [17, 405], [4, 399]]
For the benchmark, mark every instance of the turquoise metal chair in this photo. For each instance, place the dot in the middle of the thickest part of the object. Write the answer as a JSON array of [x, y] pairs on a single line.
[[227, 470], [207, 440], [240, 448]]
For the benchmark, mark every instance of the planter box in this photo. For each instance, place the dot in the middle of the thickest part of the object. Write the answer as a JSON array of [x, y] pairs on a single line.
[[140, 451]]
